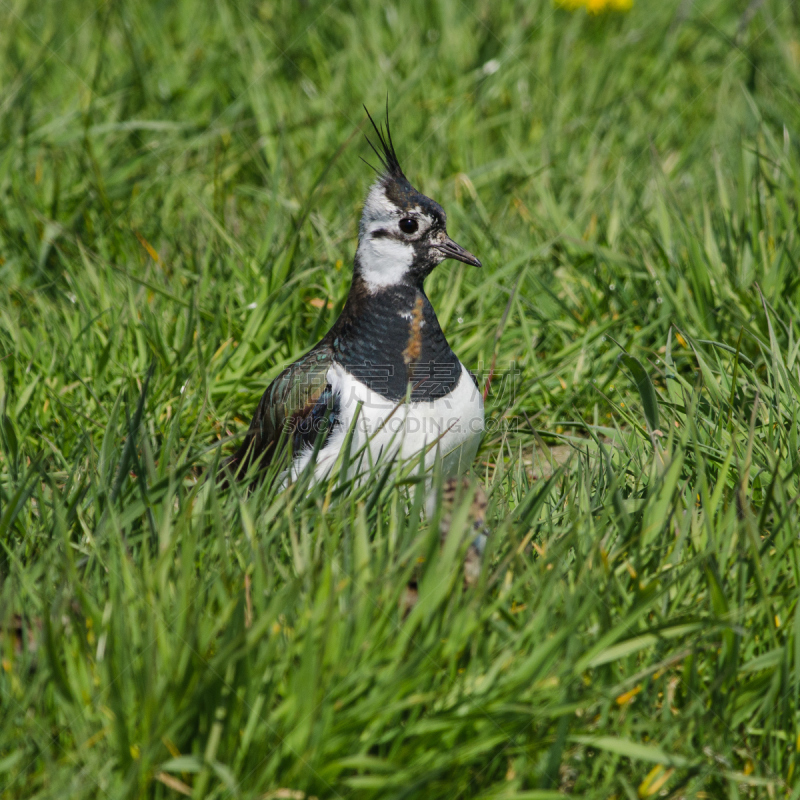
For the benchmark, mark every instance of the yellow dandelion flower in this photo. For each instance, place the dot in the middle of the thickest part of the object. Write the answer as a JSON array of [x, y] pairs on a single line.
[[595, 6]]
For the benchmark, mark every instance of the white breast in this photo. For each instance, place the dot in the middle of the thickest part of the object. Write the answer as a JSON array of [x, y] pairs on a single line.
[[453, 424]]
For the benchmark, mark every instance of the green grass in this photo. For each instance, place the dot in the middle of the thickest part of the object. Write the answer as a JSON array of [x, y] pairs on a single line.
[[179, 181]]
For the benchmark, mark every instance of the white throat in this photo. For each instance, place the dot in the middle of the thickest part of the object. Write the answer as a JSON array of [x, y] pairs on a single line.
[[383, 262]]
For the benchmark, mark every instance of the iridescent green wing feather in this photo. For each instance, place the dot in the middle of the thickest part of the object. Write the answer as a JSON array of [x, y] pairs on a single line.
[[289, 400]]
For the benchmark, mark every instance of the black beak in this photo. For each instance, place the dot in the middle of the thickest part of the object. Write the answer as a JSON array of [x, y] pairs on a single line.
[[456, 251]]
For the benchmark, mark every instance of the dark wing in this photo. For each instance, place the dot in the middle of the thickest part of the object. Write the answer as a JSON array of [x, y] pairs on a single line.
[[296, 403], [309, 424]]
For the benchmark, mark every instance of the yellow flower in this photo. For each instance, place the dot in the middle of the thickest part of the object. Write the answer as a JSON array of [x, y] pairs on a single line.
[[595, 6]]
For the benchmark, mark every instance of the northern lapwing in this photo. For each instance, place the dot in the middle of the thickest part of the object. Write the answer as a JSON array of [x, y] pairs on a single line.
[[385, 369]]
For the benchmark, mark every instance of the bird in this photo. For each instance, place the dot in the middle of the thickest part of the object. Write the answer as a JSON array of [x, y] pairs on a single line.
[[384, 376]]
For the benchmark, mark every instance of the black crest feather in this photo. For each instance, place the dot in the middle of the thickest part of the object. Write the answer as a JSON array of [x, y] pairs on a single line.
[[386, 155]]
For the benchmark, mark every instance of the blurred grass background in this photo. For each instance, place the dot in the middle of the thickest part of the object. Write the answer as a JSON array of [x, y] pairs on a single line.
[[180, 187]]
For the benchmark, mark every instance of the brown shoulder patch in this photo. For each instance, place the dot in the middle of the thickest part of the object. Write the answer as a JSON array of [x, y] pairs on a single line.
[[414, 347]]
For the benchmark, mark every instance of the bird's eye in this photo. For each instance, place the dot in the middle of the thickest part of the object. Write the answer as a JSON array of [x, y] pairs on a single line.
[[408, 225]]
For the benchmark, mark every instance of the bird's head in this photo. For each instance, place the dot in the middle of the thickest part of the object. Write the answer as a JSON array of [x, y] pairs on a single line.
[[403, 233]]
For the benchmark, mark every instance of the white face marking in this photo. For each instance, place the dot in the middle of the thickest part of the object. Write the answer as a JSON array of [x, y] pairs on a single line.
[[376, 208], [385, 261]]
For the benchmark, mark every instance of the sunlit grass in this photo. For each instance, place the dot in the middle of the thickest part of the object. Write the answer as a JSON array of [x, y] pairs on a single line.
[[179, 195]]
